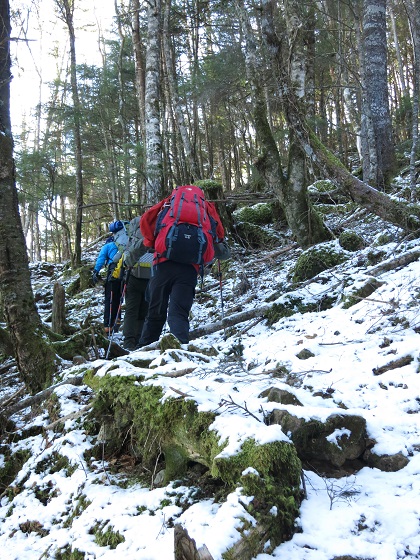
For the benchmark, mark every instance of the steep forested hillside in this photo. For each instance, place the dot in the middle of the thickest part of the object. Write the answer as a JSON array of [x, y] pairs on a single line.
[[138, 455]]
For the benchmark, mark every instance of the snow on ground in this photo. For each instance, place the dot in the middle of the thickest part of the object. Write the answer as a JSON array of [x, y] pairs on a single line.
[[368, 515]]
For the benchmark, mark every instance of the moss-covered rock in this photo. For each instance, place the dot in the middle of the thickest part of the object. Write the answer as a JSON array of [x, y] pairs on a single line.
[[270, 473], [317, 259], [125, 407], [351, 241], [141, 422], [322, 186], [275, 394], [259, 214], [292, 304], [340, 438], [254, 236], [361, 292]]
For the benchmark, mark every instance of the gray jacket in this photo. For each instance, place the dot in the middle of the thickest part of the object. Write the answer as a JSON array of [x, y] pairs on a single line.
[[135, 254]]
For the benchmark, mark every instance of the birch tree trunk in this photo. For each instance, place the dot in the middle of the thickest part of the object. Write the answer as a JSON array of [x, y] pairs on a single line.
[[379, 160], [139, 68], [153, 140], [306, 225], [35, 359]]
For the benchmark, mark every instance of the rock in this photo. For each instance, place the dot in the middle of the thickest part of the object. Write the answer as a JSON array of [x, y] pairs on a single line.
[[386, 463], [274, 394]]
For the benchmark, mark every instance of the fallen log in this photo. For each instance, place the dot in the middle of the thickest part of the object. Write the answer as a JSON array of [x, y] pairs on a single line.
[[395, 264], [41, 396], [229, 321]]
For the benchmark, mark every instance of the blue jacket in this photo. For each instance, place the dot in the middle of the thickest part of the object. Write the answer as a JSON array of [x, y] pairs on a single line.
[[106, 255]]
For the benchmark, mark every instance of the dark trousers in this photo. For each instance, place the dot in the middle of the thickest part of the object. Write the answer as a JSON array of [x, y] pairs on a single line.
[[136, 308], [112, 301], [171, 293]]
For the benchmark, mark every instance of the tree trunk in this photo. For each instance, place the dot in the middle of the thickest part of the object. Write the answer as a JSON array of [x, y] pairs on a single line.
[[154, 168], [66, 10], [305, 224], [185, 547], [406, 216], [35, 359], [193, 170], [414, 17], [379, 160], [59, 324]]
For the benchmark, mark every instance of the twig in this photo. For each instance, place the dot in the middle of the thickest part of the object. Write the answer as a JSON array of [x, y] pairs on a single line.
[[233, 404], [179, 373], [7, 366], [70, 416], [95, 345], [103, 463], [13, 397], [185, 395]]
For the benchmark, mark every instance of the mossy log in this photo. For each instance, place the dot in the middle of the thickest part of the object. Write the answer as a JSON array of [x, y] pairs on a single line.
[[137, 420], [79, 343]]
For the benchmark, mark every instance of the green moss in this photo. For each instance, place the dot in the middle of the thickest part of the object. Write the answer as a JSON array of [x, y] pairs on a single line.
[[256, 237], [210, 187], [277, 459], [317, 259], [169, 342], [360, 293], [292, 305], [259, 214], [274, 486], [67, 553], [12, 465], [135, 416], [109, 537], [323, 185], [277, 312], [351, 241], [383, 239]]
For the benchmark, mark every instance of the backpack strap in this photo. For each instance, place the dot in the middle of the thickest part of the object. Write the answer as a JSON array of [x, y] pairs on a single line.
[[197, 205]]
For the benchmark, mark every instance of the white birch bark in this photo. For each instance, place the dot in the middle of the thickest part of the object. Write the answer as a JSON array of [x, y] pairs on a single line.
[[153, 140], [381, 151]]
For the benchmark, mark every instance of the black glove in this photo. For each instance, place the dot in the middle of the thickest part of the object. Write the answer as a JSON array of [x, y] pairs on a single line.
[[95, 278], [222, 251]]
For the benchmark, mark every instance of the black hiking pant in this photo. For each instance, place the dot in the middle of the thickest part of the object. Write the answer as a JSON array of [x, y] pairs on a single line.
[[171, 293], [112, 301], [136, 308]]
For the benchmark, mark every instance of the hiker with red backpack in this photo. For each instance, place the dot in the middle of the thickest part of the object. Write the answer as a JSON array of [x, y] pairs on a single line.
[[182, 229]]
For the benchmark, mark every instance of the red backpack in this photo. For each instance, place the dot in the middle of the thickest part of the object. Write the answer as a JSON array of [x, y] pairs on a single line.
[[184, 229]]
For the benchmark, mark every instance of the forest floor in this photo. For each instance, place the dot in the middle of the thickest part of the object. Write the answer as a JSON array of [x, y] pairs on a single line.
[[59, 503]]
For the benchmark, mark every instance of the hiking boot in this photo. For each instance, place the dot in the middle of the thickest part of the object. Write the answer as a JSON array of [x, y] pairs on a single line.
[[169, 342], [130, 345]]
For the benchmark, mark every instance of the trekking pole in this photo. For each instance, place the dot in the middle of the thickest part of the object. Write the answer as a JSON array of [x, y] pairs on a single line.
[[117, 316], [110, 310], [221, 288]]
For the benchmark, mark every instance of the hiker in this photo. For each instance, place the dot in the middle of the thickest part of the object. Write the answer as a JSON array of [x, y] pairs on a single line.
[[108, 256], [137, 261], [182, 229]]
